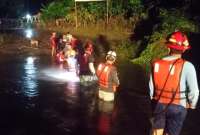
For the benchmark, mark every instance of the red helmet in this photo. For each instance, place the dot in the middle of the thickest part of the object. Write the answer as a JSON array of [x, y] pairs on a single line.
[[89, 47], [178, 41]]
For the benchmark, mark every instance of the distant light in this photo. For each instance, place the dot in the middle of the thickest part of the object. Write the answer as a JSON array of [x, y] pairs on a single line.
[[30, 60], [29, 33], [28, 17]]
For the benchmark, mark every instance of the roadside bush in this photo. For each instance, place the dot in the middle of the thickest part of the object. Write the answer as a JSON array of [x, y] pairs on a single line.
[[134, 7], [170, 21], [153, 51], [126, 50], [6, 38], [1, 39], [91, 13], [56, 9]]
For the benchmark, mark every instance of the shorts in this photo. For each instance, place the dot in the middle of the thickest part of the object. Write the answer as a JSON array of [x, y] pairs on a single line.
[[106, 96], [170, 118]]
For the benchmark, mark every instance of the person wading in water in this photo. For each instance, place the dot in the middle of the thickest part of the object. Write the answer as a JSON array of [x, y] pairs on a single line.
[[173, 87]]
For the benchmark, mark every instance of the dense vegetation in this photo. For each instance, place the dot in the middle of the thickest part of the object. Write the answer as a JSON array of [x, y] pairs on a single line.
[[92, 12]]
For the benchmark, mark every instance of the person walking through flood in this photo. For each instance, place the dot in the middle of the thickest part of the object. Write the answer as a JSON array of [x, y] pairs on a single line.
[[60, 43], [53, 43], [173, 87], [70, 39], [71, 59], [108, 77], [86, 62]]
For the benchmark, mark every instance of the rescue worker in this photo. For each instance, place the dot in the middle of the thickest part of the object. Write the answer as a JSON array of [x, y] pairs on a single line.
[[173, 87], [70, 55], [108, 78], [53, 43], [69, 52], [73, 42], [64, 38], [87, 62], [70, 39], [87, 70], [89, 46], [60, 43]]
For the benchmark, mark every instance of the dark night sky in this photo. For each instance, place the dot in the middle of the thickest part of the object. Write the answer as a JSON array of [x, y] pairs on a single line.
[[15, 8], [35, 5]]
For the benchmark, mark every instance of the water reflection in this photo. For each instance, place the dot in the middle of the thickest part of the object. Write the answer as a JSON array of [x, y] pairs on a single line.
[[105, 117], [72, 93], [30, 78], [59, 75]]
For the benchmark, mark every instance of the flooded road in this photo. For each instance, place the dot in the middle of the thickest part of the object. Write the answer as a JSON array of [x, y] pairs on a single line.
[[35, 101]]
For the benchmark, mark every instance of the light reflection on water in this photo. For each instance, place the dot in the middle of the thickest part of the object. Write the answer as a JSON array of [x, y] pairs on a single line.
[[72, 92], [30, 78], [58, 75], [60, 72]]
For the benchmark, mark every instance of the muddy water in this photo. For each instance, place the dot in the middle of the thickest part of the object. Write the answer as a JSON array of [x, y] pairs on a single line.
[[36, 99]]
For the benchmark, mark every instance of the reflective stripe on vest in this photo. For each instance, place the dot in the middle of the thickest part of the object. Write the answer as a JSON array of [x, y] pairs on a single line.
[[167, 81], [102, 73]]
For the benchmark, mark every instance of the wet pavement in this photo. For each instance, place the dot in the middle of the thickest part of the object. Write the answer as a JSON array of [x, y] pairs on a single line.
[[35, 102]]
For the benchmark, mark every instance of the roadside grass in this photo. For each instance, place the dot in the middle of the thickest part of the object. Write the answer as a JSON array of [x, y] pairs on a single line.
[[112, 31]]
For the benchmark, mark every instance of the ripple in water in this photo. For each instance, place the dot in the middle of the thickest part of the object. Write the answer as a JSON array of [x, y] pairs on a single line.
[[30, 78]]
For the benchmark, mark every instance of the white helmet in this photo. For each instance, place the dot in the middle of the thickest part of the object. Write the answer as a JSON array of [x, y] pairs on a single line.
[[112, 53], [111, 56]]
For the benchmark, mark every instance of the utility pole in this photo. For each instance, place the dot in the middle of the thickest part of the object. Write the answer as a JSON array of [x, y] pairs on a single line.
[[107, 12], [76, 14]]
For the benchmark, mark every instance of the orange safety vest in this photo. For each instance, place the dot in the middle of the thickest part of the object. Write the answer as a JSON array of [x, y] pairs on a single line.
[[103, 71], [166, 77]]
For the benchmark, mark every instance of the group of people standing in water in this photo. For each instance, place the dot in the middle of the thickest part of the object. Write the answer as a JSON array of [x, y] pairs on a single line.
[[173, 83], [67, 49]]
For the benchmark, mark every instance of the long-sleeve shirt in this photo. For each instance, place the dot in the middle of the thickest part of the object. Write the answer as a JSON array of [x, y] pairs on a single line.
[[188, 82]]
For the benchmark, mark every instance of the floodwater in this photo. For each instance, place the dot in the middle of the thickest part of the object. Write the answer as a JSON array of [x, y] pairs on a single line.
[[38, 97]]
